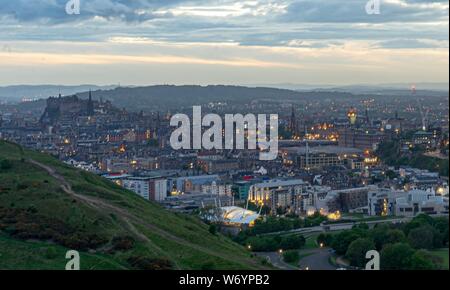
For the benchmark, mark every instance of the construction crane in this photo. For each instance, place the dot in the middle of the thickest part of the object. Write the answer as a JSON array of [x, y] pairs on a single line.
[[423, 115]]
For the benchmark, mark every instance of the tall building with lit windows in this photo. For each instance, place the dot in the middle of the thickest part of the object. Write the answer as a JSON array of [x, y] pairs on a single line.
[[275, 194]]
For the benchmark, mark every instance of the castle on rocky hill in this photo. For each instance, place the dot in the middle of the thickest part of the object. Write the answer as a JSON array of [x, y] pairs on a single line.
[[70, 107]]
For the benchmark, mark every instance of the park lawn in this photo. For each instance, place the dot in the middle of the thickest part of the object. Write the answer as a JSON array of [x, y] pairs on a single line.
[[442, 253], [311, 242]]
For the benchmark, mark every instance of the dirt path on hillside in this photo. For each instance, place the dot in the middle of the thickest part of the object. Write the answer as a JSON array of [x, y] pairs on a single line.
[[127, 217]]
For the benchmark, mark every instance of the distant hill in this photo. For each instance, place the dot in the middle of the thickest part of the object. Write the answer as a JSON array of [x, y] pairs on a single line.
[[47, 208], [367, 88], [19, 92], [171, 97]]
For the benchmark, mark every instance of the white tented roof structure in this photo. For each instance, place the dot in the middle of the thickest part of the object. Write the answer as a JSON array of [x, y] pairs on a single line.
[[238, 215]]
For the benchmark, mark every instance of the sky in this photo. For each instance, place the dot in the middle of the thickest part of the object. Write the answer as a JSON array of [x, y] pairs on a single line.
[[143, 42]]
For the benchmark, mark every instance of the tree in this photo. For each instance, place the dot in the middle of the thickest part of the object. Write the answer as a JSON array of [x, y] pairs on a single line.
[[396, 256], [423, 260], [357, 250], [291, 256], [362, 226], [292, 242], [395, 236], [422, 237], [441, 226], [380, 236], [342, 241], [325, 239]]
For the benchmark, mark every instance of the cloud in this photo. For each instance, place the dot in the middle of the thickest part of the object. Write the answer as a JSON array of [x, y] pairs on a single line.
[[249, 22], [353, 11], [287, 36], [52, 12]]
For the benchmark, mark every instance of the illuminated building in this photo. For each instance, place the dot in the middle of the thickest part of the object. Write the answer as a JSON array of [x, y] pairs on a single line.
[[233, 215], [318, 157], [150, 188], [361, 139], [387, 202], [334, 216], [345, 200], [284, 194], [352, 116]]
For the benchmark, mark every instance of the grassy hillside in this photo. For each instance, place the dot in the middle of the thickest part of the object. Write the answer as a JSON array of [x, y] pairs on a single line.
[[47, 208]]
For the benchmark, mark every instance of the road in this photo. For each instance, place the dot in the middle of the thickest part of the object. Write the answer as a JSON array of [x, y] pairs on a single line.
[[276, 260], [314, 259], [317, 260], [337, 227]]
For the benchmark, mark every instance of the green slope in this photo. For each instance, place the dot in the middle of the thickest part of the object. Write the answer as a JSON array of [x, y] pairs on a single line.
[[47, 208]]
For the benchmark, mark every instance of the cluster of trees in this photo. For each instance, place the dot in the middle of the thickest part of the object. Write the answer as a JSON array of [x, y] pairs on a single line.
[[274, 224], [404, 246], [251, 237], [389, 152], [278, 224], [273, 243], [291, 256]]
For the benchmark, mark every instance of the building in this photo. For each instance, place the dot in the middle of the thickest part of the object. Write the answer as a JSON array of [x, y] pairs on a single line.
[[217, 188], [360, 138], [243, 187], [186, 184], [345, 200], [279, 194], [428, 139], [319, 156], [150, 188], [387, 202], [237, 216], [216, 166], [125, 165], [420, 178], [381, 202], [189, 202], [66, 108], [418, 201], [139, 185], [157, 189]]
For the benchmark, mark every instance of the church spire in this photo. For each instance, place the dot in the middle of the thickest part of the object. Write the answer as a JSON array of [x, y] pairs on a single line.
[[90, 105]]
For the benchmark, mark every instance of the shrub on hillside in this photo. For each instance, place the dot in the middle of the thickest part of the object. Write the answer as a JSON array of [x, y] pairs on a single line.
[[5, 165], [24, 224], [144, 263], [122, 243]]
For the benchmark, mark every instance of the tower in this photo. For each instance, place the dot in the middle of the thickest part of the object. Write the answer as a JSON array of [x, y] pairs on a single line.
[[367, 116], [90, 105], [293, 122], [352, 115]]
